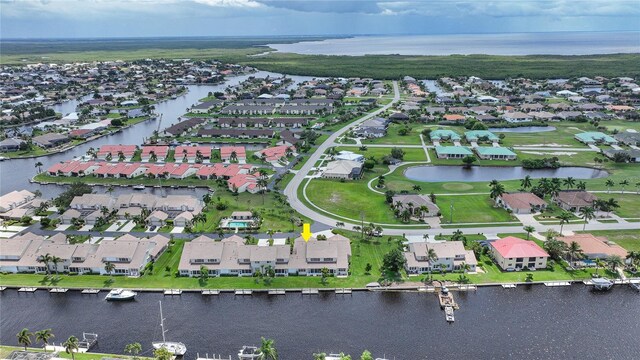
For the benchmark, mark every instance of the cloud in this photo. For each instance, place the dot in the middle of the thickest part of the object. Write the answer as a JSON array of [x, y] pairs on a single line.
[[230, 3]]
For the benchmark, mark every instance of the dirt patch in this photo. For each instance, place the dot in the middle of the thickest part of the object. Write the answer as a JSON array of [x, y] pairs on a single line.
[[335, 198]]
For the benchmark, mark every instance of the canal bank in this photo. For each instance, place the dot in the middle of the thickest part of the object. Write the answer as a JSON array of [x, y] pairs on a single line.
[[402, 325]]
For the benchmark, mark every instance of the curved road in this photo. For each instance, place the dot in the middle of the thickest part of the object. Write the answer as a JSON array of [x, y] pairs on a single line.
[[291, 191]]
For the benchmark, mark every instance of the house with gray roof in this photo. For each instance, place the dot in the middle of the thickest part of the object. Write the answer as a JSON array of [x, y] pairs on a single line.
[[450, 255]]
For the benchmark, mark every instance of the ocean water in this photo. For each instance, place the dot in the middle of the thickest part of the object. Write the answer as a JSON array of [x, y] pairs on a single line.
[[553, 43]]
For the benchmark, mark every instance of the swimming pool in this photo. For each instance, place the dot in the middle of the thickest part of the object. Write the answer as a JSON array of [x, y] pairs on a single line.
[[238, 224]]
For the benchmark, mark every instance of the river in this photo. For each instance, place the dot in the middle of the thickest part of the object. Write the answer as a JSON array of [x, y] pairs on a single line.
[[533, 322], [15, 173]]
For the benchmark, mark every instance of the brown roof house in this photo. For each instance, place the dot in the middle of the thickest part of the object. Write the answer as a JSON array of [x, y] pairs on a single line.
[[574, 200], [521, 202], [593, 247]]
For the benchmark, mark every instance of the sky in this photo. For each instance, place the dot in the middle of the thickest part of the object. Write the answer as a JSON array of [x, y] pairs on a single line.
[[159, 18]]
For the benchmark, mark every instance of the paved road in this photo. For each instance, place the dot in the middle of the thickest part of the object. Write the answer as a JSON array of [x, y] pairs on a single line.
[[292, 188]]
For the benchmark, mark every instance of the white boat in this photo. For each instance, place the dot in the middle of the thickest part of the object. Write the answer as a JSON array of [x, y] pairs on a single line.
[[139, 187], [249, 352], [448, 313], [174, 347], [602, 284], [120, 295]]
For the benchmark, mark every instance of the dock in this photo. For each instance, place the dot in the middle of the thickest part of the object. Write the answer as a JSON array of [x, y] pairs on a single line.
[[210, 292], [508, 286], [343, 291], [215, 357], [88, 341], [557, 283], [27, 289], [243, 292], [173, 292], [90, 291], [310, 292], [448, 314], [277, 292], [58, 290], [446, 300]]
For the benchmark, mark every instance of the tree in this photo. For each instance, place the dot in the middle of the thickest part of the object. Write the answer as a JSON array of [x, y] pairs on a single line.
[[609, 183], [393, 261], [109, 267], [268, 350], [569, 182], [319, 356], [71, 346], [529, 229], [366, 355], [133, 349], [43, 336], [469, 160], [529, 277], [324, 275], [587, 213], [525, 183], [497, 190], [599, 264], [417, 188], [162, 354], [204, 273], [56, 260], [38, 165], [367, 269], [574, 251], [45, 259], [564, 218], [24, 338], [624, 183], [614, 261]]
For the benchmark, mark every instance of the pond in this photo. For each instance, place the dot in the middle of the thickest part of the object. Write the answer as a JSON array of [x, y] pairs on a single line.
[[524, 129], [488, 173]]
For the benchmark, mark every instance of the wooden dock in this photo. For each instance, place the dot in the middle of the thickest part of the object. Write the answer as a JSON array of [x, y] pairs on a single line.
[[172, 292], [58, 290], [310, 292], [27, 289], [277, 292], [557, 283], [210, 292], [243, 292], [446, 299], [343, 291], [90, 291]]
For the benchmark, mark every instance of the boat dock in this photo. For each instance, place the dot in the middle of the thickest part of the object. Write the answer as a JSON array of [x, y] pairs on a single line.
[[243, 292], [508, 286], [88, 341], [173, 292], [557, 283], [210, 292], [446, 299], [310, 292], [344, 292], [277, 292], [27, 289], [58, 290], [215, 357], [90, 291]]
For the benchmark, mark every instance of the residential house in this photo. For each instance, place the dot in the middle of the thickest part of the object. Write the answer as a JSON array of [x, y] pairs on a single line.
[[450, 256], [343, 169], [452, 152], [512, 253], [574, 200], [521, 202], [593, 247]]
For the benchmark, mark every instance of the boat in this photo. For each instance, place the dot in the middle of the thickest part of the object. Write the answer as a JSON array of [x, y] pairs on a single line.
[[139, 187], [635, 286], [249, 352], [448, 313], [120, 295], [174, 347], [601, 284]]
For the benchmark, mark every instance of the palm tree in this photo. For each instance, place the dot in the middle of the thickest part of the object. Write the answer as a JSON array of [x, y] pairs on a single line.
[[24, 338], [262, 184], [614, 261], [609, 183], [268, 350], [525, 183], [581, 186], [56, 260], [569, 182], [612, 204], [574, 251], [496, 191], [587, 213], [431, 256], [38, 165], [71, 346], [564, 217], [529, 229], [624, 183], [44, 336], [599, 264], [45, 259], [109, 267], [417, 188], [233, 156]]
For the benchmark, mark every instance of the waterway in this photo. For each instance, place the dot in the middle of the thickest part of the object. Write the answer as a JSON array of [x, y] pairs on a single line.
[[15, 173], [487, 173], [553, 43], [533, 322]]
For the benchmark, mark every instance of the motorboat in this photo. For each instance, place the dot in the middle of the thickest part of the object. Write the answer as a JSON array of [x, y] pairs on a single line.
[[174, 347], [120, 295], [139, 187], [602, 284], [249, 352]]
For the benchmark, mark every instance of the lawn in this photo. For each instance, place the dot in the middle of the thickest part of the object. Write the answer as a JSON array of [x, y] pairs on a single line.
[[629, 204], [393, 136], [471, 209], [628, 239]]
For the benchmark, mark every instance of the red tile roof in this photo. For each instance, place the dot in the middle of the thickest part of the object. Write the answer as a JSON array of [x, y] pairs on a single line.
[[513, 247]]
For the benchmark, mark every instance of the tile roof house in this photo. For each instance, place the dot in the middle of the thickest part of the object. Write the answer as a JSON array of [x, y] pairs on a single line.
[[111, 152], [521, 202], [515, 253], [15, 199], [451, 254], [160, 153], [343, 169], [226, 153], [593, 247], [274, 154], [574, 200]]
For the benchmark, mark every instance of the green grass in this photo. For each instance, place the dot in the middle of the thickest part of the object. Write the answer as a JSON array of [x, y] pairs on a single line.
[[393, 137], [628, 239], [471, 209], [34, 151], [629, 204]]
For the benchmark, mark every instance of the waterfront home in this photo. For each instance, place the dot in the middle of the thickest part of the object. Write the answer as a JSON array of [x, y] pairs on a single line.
[[275, 154], [512, 253], [205, 107], [113, 152], [494, 153], [521, 202], [450, 256], [237, 109], [574, 200], [452, 152], [232, 257], [233, 153], [159, 152], [444, 135], [420, 206], [516, 117], [243, 182], [343, 169], [192, 154], [183, 126], [595, 137], [593, 247], [120, 170], [243, 122], [237, 133], [10, 144], [222, 171], [348, 155], [15, 199], [481, 135], [73, 168], [50, 140]]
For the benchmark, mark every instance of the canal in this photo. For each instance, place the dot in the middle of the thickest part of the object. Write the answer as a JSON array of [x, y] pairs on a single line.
[[533, 322]]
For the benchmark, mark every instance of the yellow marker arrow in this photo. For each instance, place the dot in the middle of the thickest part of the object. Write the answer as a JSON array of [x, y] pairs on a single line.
[[306, 232]]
